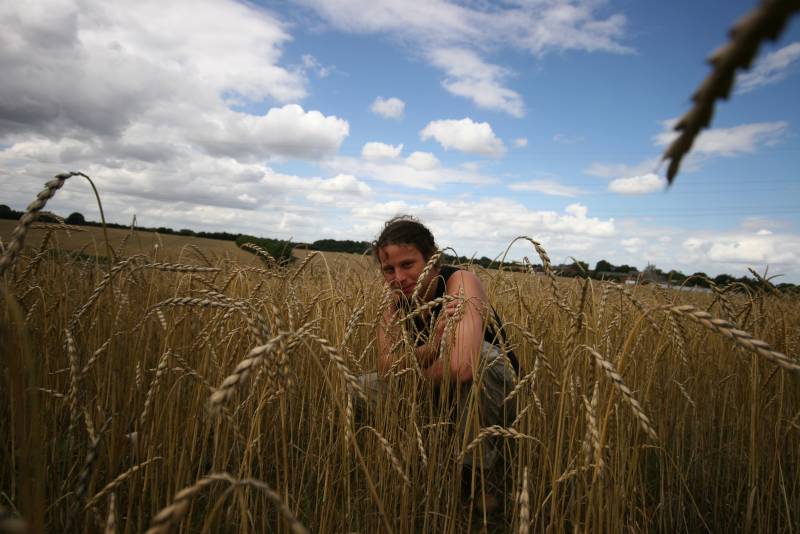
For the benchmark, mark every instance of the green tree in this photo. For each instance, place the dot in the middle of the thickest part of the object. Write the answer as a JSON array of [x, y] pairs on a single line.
[[76, 218], [603, 267]]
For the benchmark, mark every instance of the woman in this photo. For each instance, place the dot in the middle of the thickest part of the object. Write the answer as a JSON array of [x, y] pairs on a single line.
[[456, 346]]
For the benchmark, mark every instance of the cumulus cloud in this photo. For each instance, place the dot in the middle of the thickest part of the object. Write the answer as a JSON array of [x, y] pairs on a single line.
[[422, 161], [637, 185], [548, 187], [469, 76], [145, 98], [464, 135], [388, 108], [770, 69], [521, 142], [375, 150]]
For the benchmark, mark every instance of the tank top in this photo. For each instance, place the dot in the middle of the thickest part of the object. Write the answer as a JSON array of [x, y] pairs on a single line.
[[422, 326]]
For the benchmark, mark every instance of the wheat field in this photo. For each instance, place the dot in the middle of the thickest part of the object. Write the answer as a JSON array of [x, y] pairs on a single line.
[[213, 393]]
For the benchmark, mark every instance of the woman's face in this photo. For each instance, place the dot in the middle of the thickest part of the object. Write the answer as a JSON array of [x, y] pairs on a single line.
[[401, 266]]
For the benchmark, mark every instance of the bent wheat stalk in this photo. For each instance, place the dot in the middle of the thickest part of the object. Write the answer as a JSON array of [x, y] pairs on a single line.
[[173, 513], [18, 236]]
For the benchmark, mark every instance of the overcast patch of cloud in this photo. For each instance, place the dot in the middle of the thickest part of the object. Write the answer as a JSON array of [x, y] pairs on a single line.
[[464, 135], [770, 69], [388, 108], [146, 97]]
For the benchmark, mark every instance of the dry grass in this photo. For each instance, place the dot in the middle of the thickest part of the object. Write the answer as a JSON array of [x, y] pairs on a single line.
[[190, 390]]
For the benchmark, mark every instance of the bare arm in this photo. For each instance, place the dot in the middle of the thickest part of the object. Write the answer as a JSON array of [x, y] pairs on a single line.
[[468, 337]]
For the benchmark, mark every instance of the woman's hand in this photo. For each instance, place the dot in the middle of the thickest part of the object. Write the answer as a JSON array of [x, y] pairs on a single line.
[[445, 317]]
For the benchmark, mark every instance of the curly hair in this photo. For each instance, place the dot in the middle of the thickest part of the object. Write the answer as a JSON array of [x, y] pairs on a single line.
[[405, 230]]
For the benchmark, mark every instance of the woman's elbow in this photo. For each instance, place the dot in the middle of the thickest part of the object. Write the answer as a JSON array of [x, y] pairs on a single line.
[[461, 371]]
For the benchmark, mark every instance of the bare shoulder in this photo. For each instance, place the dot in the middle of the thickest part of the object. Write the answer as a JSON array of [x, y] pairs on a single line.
[[468, 281]]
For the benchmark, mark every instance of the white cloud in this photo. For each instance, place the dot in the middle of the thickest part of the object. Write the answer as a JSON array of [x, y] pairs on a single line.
[[422, 161], [770, 69], [764, 231], [451, 35], [548, 187], [536, 27], [464, 135], [469, 76], [619, 170], [746, 138], [388, 108], [421, 170], [521, 142], [637, 185], [311, 64], [632, 244], [468, 222], [375, 150], [756, 250], [138, 59], [288, 131], [567, 139]]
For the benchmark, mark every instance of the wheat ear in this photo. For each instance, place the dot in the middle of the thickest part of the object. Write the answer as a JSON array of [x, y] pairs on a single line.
[[387, 448], [493, 431], [524, 505], [741, 337], [111, 486], [763, 22], [627, 394]]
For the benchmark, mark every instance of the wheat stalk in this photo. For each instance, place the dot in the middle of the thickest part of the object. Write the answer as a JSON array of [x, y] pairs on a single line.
[[111, 518]]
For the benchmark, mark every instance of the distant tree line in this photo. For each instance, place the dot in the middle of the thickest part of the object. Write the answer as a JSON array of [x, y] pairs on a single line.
[[281, 251]]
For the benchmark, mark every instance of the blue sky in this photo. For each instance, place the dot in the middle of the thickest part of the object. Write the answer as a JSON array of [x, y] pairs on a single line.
[[488, 120]]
